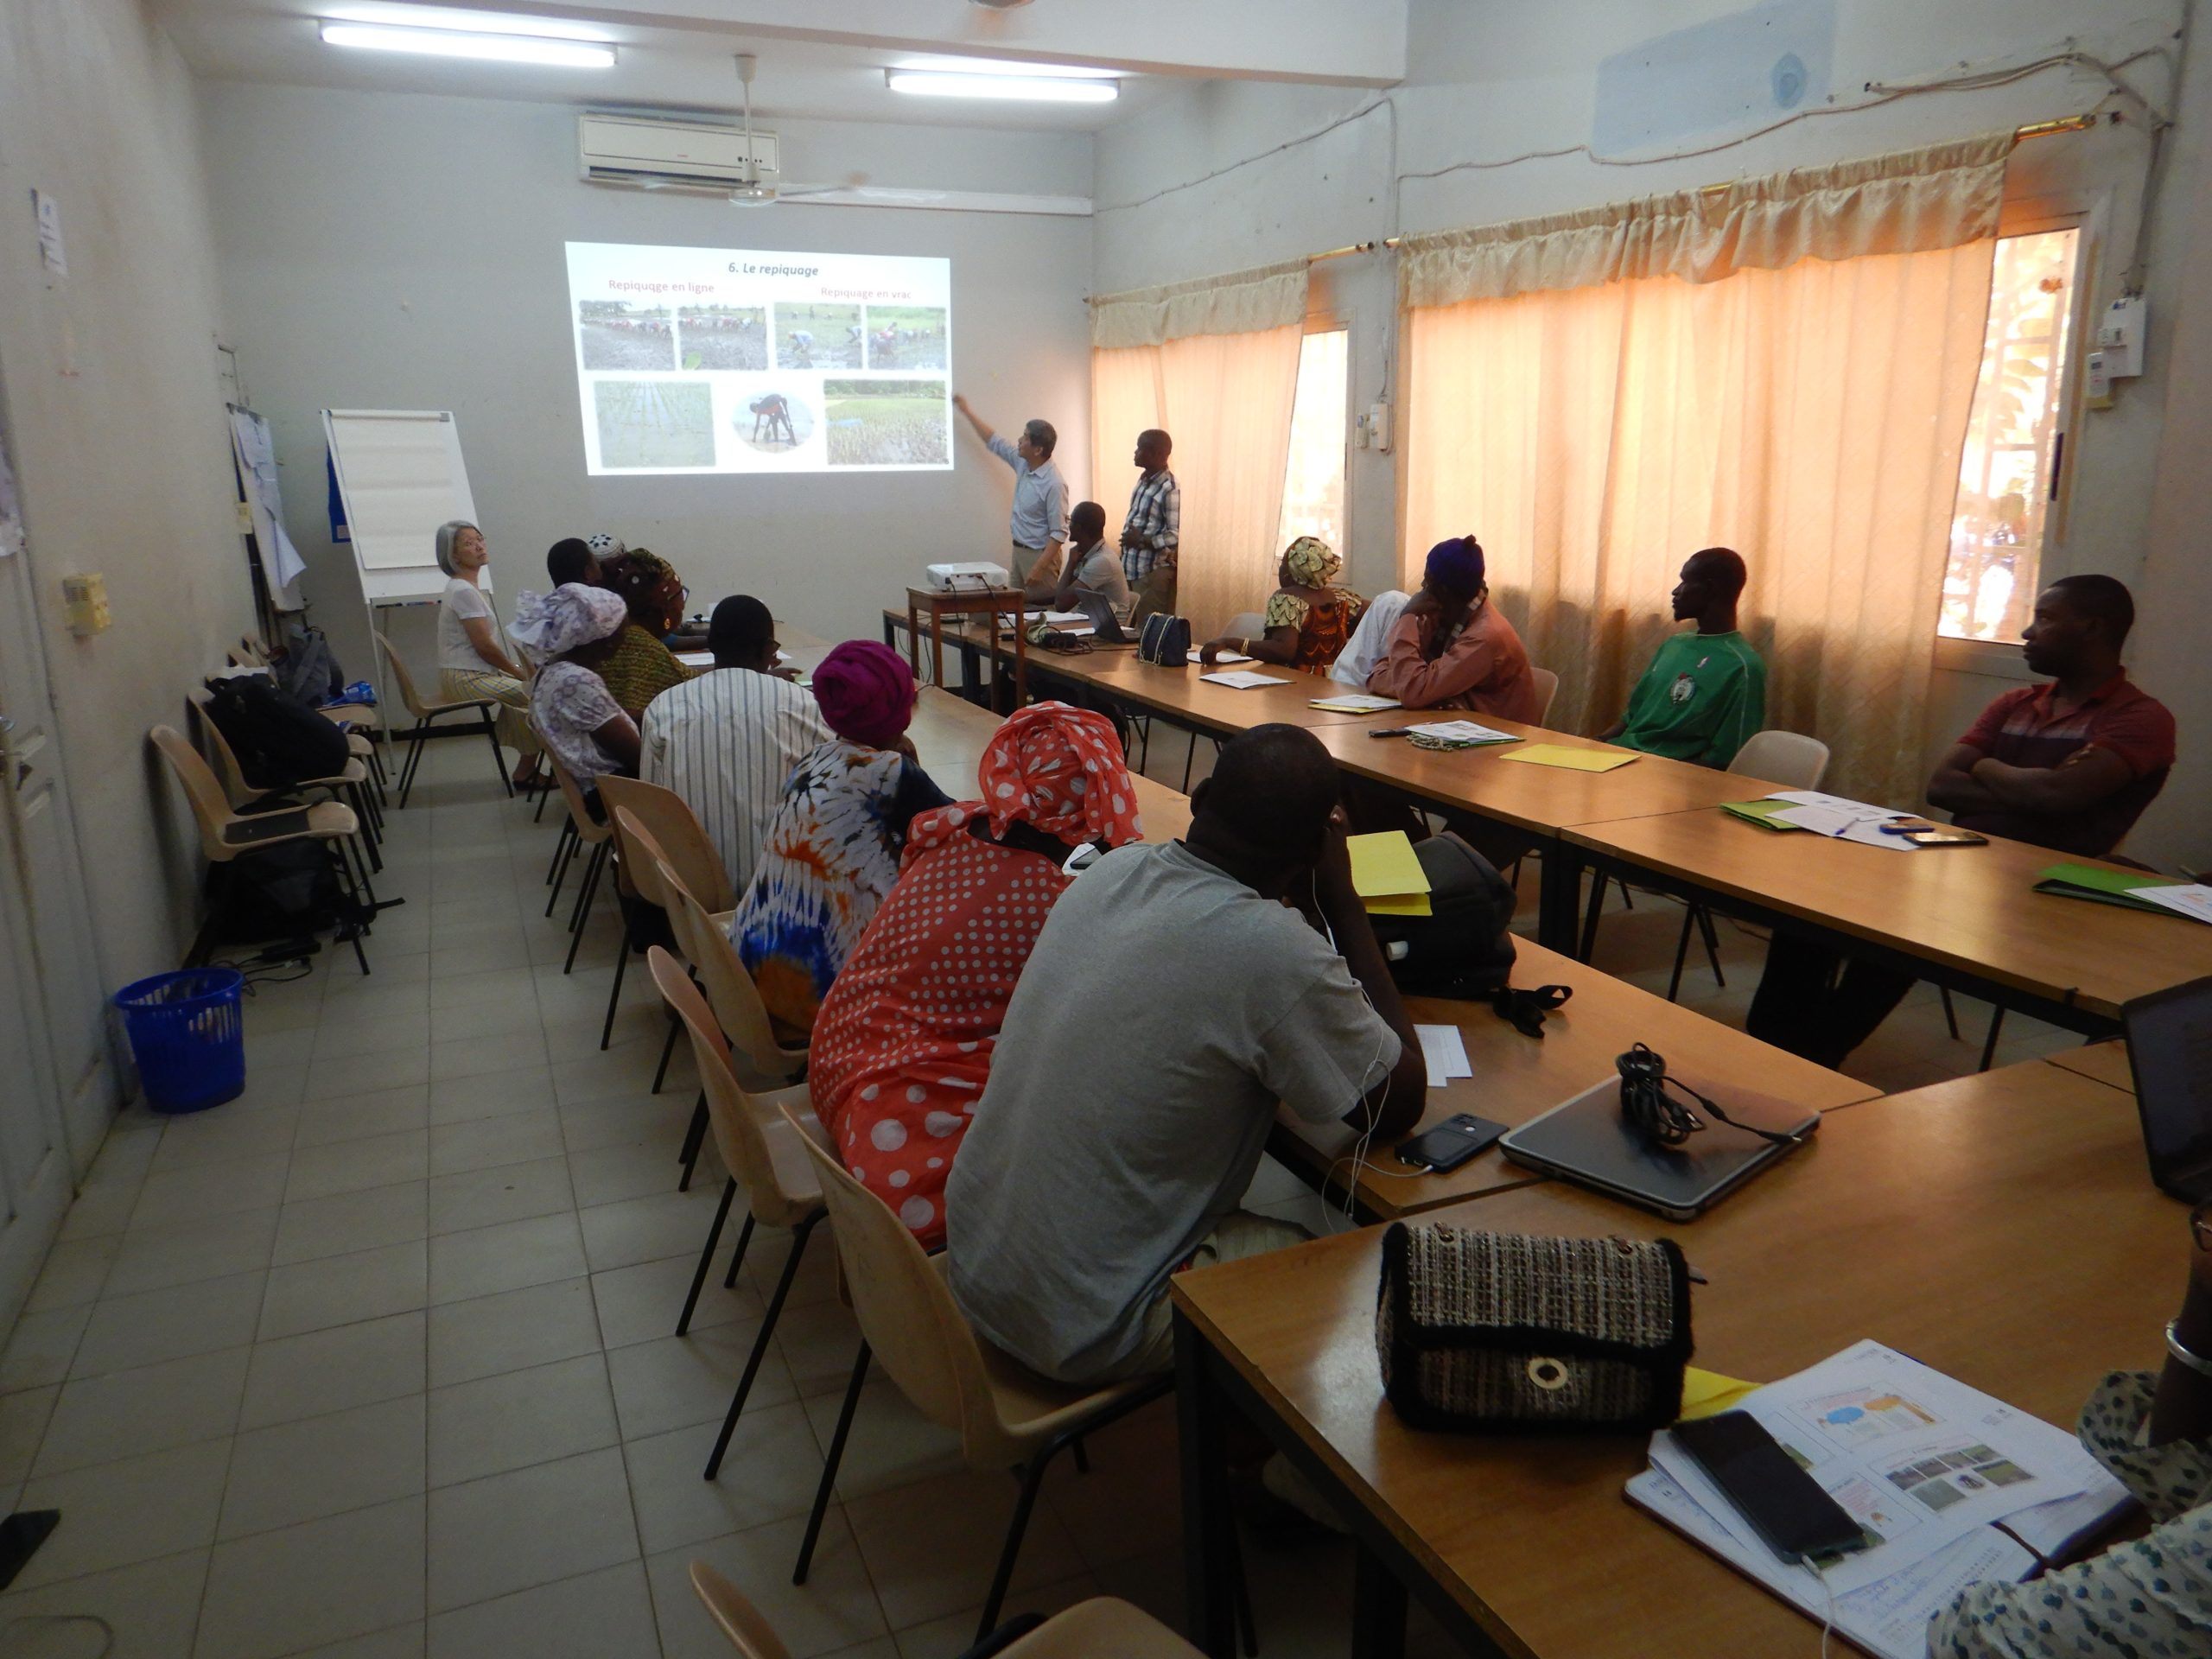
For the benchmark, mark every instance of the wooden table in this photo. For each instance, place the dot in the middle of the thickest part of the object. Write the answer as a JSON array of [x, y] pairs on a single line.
[[1965, 917], [2002, 1227], [951, 733], [2106, 1062], [1519, 1078], [995, 601]]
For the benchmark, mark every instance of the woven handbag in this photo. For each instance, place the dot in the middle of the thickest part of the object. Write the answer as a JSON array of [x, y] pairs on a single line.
[[1502, 1330]]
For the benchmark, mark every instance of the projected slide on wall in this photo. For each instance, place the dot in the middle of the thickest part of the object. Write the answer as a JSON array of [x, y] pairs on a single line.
[[734, 361]]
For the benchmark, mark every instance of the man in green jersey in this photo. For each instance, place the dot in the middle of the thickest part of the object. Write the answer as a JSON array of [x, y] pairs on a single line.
[[1705, 693]]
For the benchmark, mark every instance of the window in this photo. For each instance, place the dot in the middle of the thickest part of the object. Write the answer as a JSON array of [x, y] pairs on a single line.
[[2007, 472], [1313, 483]]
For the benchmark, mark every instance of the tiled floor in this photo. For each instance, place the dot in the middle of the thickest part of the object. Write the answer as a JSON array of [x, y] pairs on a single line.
[[376, 1361]]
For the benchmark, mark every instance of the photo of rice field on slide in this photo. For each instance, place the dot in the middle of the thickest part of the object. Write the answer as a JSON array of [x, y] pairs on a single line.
[[722, 336], [817, 336], [619, 335], [645, 424], [887, 423], [905, 337]]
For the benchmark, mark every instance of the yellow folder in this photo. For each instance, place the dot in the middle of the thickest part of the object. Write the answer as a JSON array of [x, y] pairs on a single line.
[[1386, 874], [1554, 755]]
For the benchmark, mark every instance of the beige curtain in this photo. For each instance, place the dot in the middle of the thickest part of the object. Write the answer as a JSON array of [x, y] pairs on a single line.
[[1215, 365], [1784, 368]]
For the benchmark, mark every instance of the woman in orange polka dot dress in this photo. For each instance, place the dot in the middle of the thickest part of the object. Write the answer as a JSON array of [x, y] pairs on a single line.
[[903, 1042]]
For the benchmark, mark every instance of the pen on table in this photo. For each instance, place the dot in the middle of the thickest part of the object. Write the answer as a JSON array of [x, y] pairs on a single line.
[[1395, 731]]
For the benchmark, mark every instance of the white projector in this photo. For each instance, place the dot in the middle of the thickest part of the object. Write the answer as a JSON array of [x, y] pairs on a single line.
[[978, 576]]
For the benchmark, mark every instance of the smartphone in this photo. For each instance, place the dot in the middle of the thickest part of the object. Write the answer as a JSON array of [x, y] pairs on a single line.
[[1945, 834], [21, 1534], [1449, 1144], [1782, 1504]]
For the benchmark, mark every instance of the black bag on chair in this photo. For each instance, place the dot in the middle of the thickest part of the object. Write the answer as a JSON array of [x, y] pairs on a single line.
[[1463, 948], [1167, 640], [280, 743]]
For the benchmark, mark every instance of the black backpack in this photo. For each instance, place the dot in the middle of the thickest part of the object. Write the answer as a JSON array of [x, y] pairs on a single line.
[[1464, 947], [286, 895], [280, 744]]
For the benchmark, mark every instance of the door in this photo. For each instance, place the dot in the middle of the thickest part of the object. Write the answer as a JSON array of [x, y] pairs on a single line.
[[55, 1094]]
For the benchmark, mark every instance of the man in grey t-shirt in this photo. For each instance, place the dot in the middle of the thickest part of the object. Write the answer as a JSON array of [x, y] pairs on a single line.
[[1170, 1001]]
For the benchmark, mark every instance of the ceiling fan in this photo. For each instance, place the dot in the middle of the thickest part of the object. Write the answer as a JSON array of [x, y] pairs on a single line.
[[752, 191]]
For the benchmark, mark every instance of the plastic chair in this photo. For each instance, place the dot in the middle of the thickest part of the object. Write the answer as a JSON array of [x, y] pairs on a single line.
[[1006, 1416], [682, 840], [642, 855], [1246, 625], [759, 1137], [1547, 693], [428, 713], [351, 785], [1102, 1628], [705, 941], [581, 831], [226, 836], [1788, 758]]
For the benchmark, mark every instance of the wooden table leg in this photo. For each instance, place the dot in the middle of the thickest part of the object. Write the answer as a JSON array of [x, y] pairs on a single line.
[[1209, 1608], [937, 647], [1560, 904], [1020, 665], [914, 639]]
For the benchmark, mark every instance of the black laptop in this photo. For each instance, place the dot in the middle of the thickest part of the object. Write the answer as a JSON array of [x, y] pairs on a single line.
[[2170, 1052]]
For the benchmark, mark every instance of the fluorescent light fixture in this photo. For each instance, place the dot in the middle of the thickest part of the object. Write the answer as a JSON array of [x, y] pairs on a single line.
[[1038, 89], [947, 64], [457, 43]]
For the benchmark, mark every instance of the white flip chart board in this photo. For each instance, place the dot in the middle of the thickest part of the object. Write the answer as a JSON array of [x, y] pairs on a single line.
[[400, 475]]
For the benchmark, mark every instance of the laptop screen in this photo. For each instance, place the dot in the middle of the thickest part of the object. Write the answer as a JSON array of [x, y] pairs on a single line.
[[2170, 1050]]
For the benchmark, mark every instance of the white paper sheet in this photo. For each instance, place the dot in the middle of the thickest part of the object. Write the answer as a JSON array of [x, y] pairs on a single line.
[[1355, 702], [700, 658], [2194, 902], [1226, 655], [1444, 1053], [1464, 731], [1244, 679]]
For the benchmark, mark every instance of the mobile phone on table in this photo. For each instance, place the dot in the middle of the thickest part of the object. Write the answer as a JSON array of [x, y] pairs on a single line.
[[1778, 1500], [1920, 832], [1449, 1144]]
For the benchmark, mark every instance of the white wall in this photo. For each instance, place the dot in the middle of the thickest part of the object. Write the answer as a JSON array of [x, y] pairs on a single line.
[[1494, 83], [405, 252], [114, 412]]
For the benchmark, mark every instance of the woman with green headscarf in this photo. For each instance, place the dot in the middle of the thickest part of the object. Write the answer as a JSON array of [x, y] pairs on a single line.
[[1307, 620]]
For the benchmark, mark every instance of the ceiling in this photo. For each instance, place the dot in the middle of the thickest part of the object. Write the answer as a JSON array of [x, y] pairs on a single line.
[[677, 55]]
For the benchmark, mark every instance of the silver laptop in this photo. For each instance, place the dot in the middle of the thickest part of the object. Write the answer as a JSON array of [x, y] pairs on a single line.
[[1587, 1141], [2170, 1054]]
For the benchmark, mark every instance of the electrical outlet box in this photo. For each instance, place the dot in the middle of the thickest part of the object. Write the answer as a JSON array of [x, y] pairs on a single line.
[[1378, 427], [2120, 336], [2099, 394], [87, 600]]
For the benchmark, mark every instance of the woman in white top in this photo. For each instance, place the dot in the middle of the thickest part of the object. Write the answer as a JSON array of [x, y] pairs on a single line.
[[472, 660]]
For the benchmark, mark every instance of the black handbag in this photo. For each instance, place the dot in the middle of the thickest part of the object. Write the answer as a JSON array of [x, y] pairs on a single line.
[[1463, 947], [1479, 1330], [1165, 642]]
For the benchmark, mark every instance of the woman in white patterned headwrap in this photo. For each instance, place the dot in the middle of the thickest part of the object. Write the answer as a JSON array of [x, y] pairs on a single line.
[[568, 633], [473, 659]]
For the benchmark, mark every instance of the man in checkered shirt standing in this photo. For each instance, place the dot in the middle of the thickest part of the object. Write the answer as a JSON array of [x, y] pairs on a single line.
[[1151, 533]]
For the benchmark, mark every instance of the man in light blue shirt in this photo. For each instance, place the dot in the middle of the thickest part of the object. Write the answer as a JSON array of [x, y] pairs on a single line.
[[1040, 523]]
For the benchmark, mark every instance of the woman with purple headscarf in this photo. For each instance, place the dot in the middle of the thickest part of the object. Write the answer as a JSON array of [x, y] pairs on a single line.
[[832, 851], [1452, 649]]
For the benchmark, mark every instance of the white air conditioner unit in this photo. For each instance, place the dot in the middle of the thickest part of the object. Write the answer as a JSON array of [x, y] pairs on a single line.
[[682, 154]]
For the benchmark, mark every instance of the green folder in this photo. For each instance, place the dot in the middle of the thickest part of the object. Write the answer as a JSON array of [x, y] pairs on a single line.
[[2103, 886], [1761, 813]]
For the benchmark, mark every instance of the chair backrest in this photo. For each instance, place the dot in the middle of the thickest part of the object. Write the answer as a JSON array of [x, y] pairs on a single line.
[[1789, 758], [1246, 625], [684, 844], [227, 768], [399, 674], [201, 787], [737, 1617], [638, 856], [779, 1194], [1547, 693], [589, 829], [736, 1001], [906, 1311]]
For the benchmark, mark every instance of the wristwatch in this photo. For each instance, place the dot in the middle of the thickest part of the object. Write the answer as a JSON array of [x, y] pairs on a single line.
[[2196, 1362]]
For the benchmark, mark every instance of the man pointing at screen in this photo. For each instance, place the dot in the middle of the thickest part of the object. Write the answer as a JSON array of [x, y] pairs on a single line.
[[1040, 523]]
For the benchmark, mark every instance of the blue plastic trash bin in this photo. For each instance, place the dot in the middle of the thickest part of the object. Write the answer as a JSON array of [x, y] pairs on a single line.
[[187, 1033]]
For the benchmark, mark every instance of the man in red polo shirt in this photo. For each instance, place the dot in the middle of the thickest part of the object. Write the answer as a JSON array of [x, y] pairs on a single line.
[[2069, 764]]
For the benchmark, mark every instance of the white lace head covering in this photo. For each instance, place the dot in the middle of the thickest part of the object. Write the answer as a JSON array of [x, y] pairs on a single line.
[[552, 625]]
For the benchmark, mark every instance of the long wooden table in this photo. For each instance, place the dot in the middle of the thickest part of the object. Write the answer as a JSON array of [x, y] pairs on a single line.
[[2106, 1062], [1965, 917], [1519, 1078], [2001, 1228]]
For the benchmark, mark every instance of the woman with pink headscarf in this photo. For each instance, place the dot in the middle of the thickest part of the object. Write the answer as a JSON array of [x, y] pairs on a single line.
[[831, 852], [902, 1045]]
